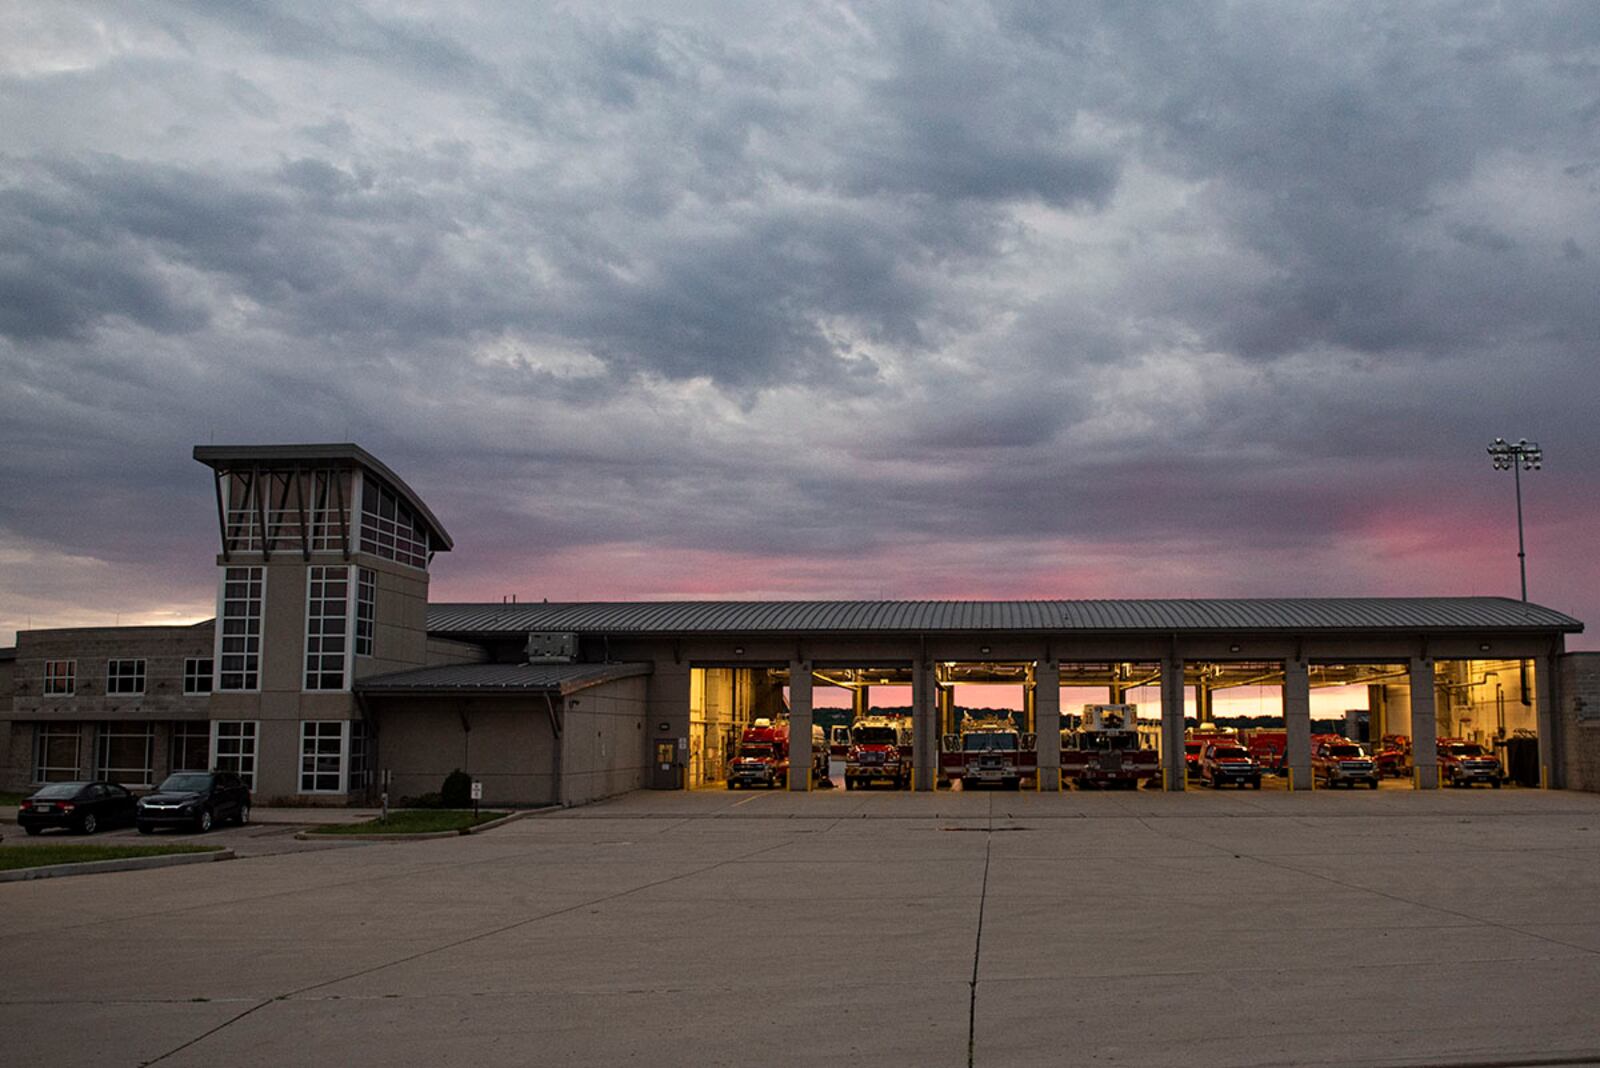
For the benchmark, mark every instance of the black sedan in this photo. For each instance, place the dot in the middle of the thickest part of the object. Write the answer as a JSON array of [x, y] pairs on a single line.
[[84, 807], [194, 800]]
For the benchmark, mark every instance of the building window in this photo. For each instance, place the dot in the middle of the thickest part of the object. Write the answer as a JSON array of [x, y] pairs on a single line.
[[322, 756], [233, 748], [388, 528], [197, 671], [366, 609], [360, 755], [55, 752], [327, 623], [239, 639], [124, 676], [60, 678], [191, 746], [123, 753]]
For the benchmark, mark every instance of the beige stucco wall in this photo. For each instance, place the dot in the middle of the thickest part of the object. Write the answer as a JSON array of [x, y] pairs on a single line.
[[504, 742], [604, 740]]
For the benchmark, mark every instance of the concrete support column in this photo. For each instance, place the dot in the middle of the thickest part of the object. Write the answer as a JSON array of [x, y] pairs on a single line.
[[1377, 715], [800, 721], [1297, 721], [1047, 722], [1202, 703], [1172, 761], [1424, 729], [1551, 773], [924, 727], [860, 701]]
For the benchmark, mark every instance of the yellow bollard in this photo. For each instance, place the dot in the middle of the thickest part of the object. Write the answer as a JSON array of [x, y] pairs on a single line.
[[1544, 776]]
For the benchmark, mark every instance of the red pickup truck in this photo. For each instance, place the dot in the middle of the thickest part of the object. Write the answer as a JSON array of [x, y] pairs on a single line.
[[1229, 762], [1338, 761], [1462, 763]]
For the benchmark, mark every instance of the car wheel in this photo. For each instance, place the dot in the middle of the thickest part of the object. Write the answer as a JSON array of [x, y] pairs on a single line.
[[242, 817], [144, 829], [88, 824], [202, 822], [1255, 784], [1495, 783], [1373, 785], [33, 831]]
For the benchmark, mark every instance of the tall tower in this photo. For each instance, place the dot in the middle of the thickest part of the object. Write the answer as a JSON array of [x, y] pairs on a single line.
[[322, 579]]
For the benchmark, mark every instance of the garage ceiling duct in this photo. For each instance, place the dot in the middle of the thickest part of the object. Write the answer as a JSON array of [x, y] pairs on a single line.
[[552, 648]]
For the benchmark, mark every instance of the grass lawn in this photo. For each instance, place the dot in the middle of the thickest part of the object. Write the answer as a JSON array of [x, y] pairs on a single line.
[[37, 856], [10, 800], [413, 821]]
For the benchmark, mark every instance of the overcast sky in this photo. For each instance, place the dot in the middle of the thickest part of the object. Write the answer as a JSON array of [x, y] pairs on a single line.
[[810, 300]]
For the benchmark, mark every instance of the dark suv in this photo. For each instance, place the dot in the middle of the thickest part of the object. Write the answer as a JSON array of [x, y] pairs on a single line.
[[194, 800]]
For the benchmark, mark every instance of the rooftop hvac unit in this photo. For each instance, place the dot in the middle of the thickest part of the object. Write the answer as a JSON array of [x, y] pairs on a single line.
[[552, 648]]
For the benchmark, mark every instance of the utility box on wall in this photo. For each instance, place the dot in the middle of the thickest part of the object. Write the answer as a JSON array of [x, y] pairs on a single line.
[[552, 648]]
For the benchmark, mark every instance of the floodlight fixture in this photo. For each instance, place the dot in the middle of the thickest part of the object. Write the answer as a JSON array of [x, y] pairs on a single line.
[[1517, 456]]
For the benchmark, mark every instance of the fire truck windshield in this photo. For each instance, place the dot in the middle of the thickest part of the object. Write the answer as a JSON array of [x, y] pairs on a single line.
[[991, 740], [875, 736]]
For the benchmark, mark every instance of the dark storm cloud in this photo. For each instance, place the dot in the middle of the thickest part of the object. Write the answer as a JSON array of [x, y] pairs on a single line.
[[919, 287]]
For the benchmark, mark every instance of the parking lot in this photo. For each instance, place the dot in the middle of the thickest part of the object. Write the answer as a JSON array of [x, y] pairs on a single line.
[[706, 928]]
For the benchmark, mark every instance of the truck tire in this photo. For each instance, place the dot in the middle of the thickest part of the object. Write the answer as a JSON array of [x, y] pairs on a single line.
[[732, 784]]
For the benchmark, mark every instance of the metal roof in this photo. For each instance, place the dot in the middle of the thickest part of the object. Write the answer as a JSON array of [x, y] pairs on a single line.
[[559, 679], [1296, 614], [338, 454]]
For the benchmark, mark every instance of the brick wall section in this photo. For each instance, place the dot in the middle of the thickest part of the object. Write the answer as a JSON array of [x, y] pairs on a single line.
[[23, 704], [1580, 719]]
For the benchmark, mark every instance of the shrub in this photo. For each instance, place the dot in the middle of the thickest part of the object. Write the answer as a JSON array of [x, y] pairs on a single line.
[[423, 801], [456, 791]]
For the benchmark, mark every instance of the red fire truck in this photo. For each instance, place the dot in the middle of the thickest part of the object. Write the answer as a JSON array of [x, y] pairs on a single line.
[[1105, 749], [763, 757], [989, 750], [880, 751]]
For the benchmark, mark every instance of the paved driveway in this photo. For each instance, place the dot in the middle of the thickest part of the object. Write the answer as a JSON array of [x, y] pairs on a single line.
[[716, 929]]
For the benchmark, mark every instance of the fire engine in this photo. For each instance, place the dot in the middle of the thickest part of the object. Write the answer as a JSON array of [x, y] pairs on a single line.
[[1267, 747], [763, 757], [880, 751], [989, 749], [1105, 749]]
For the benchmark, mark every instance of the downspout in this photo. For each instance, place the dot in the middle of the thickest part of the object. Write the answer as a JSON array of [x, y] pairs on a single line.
[[557, 749]]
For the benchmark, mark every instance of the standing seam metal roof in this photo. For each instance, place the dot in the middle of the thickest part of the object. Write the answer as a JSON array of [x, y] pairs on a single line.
[[783, 617]]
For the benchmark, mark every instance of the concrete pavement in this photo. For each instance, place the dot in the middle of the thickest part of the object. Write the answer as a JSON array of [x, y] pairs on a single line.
[[1447, 928]]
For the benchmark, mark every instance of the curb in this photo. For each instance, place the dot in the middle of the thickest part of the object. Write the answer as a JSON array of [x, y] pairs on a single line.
[[95, 867], [420, 836]]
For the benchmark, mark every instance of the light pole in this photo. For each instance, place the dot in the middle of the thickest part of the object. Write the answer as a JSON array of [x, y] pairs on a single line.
[[1518, 456]]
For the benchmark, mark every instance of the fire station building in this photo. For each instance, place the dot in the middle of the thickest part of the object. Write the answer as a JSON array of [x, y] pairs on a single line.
[[327, 669]]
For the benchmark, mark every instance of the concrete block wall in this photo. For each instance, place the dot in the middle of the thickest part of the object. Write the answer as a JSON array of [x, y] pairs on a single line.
[[504, 742], [1580, 719]]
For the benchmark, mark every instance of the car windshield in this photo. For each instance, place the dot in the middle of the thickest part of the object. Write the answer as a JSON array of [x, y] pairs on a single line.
[[61, 789], [875, 735], [755, 750], [1230, 752], [991, 741], [1345, 751], [1467, 749], [184, 784]]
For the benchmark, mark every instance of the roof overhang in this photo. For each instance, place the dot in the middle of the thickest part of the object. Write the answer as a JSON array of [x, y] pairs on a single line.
[[227, 458]]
